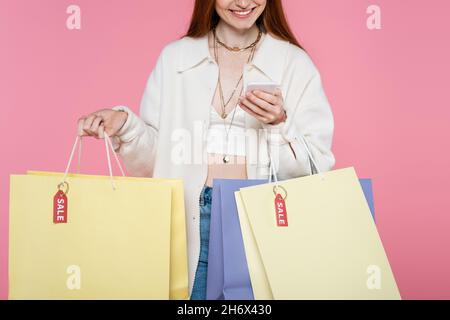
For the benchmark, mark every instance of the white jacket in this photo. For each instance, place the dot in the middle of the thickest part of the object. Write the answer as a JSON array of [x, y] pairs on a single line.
[[177, 100]]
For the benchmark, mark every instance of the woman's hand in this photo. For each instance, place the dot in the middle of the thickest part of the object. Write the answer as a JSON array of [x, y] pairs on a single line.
[[264, 106], [98, 122]]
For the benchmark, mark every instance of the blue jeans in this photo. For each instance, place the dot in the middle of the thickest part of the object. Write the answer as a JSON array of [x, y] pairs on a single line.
[[199, 287]]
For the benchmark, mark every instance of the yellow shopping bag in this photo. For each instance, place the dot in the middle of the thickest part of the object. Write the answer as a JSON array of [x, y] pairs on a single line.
[[116, 243], [178, 249], [318, 242]]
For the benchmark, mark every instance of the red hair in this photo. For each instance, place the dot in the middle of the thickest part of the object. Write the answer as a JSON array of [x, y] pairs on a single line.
[[272, 20]]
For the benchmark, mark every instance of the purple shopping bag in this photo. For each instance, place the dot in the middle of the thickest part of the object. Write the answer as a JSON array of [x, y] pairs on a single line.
[[228, 276], [366, 185]]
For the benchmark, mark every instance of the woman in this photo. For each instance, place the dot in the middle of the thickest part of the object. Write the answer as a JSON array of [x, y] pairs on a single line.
[[194, 104]]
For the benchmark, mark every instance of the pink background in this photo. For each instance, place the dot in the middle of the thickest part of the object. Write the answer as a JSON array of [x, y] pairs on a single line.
[[388, 89]]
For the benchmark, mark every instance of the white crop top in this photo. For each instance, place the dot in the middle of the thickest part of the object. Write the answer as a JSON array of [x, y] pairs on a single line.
[[216, 137]]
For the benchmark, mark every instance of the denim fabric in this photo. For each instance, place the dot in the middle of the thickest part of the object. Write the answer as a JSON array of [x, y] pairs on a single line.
[[199, 286]]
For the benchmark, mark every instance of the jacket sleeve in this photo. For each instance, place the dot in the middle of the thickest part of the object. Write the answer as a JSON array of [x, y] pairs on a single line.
[[308, 115], [136, 141]]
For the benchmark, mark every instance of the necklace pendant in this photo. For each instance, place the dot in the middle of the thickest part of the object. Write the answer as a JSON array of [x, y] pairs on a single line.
[[226, 159], [224, 115]]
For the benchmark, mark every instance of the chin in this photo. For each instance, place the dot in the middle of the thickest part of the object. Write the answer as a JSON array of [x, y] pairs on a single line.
[[241, 25]]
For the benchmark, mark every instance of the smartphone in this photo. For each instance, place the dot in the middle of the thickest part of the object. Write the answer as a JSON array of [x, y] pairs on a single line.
[[262, 86]]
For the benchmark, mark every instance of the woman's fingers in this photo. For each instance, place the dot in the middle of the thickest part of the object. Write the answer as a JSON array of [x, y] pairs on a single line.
[[263, 115], [261, 102], [88, 123], [80, 125], [250, 111], [101, 131], [265, 106], [95, 126], [98, 123], [271, 99]]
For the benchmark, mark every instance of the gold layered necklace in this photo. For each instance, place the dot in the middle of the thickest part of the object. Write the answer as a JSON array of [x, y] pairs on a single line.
[[224, 115], [237, 49]]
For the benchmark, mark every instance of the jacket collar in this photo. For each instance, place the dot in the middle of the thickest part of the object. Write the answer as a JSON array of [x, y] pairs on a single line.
[[269, 58]]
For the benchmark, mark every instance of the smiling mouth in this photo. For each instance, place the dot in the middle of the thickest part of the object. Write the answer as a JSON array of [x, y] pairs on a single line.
[[243, 13]]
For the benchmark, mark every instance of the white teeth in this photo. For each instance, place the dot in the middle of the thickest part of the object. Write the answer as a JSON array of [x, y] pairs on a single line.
[[242, 13]]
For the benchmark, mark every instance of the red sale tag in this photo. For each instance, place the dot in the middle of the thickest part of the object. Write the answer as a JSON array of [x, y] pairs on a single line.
[[60, 207], [280, 211]]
